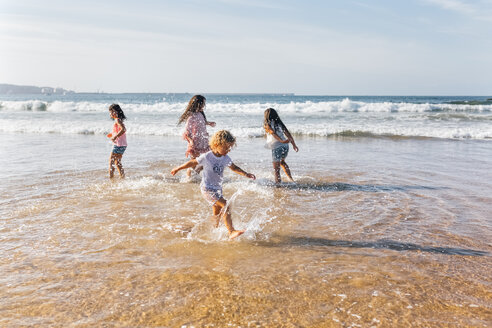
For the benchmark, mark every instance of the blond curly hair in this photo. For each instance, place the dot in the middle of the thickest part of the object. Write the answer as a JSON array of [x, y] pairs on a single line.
[[222, 138]]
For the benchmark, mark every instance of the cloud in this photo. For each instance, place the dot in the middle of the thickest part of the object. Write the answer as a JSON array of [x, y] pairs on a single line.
[[455, 5], [481, 10]]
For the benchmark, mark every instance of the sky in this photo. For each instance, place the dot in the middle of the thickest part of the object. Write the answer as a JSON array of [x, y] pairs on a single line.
[[330, 47]]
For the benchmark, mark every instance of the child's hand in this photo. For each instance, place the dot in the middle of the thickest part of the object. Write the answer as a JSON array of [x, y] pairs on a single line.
[[295, 148], [174, 171], [251, 176], [212, 124]]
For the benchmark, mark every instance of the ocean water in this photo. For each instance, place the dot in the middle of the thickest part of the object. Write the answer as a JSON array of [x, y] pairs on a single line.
[[387, 225], [323, 116]]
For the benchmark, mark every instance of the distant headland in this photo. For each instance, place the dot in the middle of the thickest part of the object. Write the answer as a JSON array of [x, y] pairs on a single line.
[[10, 89]]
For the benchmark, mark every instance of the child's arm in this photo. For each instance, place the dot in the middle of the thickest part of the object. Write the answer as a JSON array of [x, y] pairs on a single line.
[[291, 139], [240, 171], [188, 130], [188, 139], [212, 124], [191, 163], [122, 130], [269, 130]]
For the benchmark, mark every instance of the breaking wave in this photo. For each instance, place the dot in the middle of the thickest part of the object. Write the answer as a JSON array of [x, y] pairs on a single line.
[[307, 107]]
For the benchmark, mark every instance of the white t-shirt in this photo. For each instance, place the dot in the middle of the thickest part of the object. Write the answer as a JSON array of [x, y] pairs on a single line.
[[213, 169], [273, 143]]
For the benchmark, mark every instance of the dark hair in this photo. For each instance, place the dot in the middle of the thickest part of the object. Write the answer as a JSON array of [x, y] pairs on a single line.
[[118, 110], [271, 116], [197, 102]]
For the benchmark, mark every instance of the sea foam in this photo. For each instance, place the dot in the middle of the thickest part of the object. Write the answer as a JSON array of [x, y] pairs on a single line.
[[307, 107], [308, 118]]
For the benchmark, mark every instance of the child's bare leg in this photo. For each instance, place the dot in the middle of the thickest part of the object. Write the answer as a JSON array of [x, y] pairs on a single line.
[[197, 170], [119, 166], [286, 169], [111, 165], [188, 171], [226, 216], [216, 215], [276, 171]]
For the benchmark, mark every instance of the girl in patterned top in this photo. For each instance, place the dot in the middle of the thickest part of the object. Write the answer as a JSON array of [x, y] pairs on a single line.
[[195, 128]]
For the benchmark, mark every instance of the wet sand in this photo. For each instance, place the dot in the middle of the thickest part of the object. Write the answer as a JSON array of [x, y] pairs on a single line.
[[376, 232]]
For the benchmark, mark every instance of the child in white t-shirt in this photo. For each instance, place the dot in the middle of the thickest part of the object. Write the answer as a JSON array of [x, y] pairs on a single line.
[[213, 163]]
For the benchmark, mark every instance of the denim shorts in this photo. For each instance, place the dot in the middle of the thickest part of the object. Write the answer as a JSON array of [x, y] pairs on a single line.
[[118, 149], [211, 195], [280, 153]]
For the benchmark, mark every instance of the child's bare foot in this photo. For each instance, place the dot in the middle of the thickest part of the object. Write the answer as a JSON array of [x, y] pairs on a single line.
[[235, 233]]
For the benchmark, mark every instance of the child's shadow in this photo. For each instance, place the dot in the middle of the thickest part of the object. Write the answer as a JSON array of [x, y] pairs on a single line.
[[281, 241], [339, 186]]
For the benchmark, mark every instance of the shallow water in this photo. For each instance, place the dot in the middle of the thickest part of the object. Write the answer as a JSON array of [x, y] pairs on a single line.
[[379, 232]]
